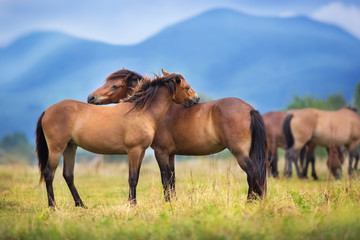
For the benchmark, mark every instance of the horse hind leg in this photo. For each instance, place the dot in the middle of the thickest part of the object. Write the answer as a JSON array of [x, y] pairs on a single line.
[[49, 173], [68, 172], [356, 154]]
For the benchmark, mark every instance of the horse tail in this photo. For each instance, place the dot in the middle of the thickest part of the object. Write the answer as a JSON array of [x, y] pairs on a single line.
[[258, 149], [287, 131], [41, 148]]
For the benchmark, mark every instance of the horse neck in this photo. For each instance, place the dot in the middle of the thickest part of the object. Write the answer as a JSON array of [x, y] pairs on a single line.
[[160, 104]]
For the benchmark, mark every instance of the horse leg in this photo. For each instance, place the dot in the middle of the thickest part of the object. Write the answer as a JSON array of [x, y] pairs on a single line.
[[268, 166], [305, 169], [163, 161], [49, 173], [351, 156], [313, 170], [68, 172], [172, 175], [135, 158], [274, 165], [288, 164], [356, 160]]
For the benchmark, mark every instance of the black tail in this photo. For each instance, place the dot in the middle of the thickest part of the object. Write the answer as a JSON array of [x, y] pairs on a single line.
[[41, 147], [258, 151], [287, 131]]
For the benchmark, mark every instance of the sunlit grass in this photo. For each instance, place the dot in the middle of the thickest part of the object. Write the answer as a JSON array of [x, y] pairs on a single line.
[[210, 204]]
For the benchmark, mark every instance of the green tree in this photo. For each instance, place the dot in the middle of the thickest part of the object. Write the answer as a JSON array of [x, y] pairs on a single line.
[[357, 96], [333, 102], [16, 148]]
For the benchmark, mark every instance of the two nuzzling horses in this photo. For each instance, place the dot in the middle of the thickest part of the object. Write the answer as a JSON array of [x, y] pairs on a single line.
[[151, 114]]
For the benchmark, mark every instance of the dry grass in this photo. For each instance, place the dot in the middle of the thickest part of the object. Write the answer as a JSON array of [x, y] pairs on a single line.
[[210, 204]]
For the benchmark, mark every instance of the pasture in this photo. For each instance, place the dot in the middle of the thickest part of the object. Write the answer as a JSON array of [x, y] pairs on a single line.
[[210, 204]]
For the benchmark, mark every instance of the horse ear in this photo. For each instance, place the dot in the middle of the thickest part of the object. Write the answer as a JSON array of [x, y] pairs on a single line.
[[178, 80], [165, 72]]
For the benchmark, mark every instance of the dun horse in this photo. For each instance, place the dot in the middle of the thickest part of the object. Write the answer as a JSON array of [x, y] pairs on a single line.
[[208, 128], [325, 128], [276, 138], [126, 128]]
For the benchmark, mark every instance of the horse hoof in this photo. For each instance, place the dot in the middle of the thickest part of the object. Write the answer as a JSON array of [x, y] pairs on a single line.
[[132, 203]]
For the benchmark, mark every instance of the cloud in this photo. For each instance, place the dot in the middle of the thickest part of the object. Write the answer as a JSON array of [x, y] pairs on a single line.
[[344, 16]]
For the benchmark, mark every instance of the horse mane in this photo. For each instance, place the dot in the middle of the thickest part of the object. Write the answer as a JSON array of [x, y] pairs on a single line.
[[130, 77], [352, 108], [148, 89]]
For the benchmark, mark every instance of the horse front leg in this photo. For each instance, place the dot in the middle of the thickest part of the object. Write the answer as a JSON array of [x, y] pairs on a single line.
[[135, 159], [163, 160], [172, 175]]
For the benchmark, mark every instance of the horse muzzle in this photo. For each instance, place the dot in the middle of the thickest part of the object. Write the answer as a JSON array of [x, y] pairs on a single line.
[[192, 102], [93, 100]]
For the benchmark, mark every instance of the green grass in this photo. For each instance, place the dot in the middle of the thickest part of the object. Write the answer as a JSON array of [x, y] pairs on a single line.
[[210, 204]]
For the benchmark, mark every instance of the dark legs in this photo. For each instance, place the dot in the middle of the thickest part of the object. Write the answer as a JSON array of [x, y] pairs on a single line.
[[291, 156], [356, 155], [256, 188], [68, 172], [167, 171], [49, 173], [135, 158], [273, 160], [352, 155]]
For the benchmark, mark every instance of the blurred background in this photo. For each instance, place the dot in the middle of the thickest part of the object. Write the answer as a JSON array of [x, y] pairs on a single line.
[[276, 55]]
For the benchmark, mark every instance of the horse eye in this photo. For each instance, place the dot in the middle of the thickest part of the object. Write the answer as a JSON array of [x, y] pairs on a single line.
[[187, 88], [115, 87]]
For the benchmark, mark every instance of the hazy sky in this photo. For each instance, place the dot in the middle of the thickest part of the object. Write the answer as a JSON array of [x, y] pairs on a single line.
[[129, 22]]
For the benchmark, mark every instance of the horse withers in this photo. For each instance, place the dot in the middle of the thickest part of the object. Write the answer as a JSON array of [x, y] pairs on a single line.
[[125, 128]]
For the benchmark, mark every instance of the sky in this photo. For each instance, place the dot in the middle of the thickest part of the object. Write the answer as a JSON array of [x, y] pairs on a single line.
[[130, 22]]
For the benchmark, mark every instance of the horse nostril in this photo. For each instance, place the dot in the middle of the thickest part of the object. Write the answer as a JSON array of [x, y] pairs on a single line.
[[91, 98]]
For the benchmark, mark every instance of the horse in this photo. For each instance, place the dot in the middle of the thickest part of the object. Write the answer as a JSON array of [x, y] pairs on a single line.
[[275, 138], [125, 128], [335, 160], [208, 128], [324, 128], [118, 85]]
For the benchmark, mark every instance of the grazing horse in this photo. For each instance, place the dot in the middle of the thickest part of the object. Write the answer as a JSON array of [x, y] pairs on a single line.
[[125, 128], [275, 138], [324, 128], [208, 128]]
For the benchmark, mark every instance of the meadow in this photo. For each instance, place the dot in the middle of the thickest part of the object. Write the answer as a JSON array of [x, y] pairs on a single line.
[[210, 204]]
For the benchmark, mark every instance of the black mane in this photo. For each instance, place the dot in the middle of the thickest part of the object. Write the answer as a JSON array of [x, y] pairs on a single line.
[[147, 91]]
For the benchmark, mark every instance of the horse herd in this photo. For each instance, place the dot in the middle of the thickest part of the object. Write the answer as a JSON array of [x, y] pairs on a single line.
[[164, 113]]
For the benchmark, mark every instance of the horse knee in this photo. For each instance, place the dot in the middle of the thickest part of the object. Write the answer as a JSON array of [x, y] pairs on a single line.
[[69, 177]]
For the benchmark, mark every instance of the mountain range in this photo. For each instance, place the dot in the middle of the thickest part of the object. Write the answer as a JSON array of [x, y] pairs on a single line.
[[262, 60]]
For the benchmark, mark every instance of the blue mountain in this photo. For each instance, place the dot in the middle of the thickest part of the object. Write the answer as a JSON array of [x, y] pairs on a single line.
[[263, 60]]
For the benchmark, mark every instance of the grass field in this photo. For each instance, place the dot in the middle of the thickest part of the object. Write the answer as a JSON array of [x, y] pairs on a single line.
[[210, 204]]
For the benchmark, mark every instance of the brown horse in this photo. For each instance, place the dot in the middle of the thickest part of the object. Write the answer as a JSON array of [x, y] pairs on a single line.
[[126, 128], [324, 128], [118, 85], [275, 138], [208, 128]]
